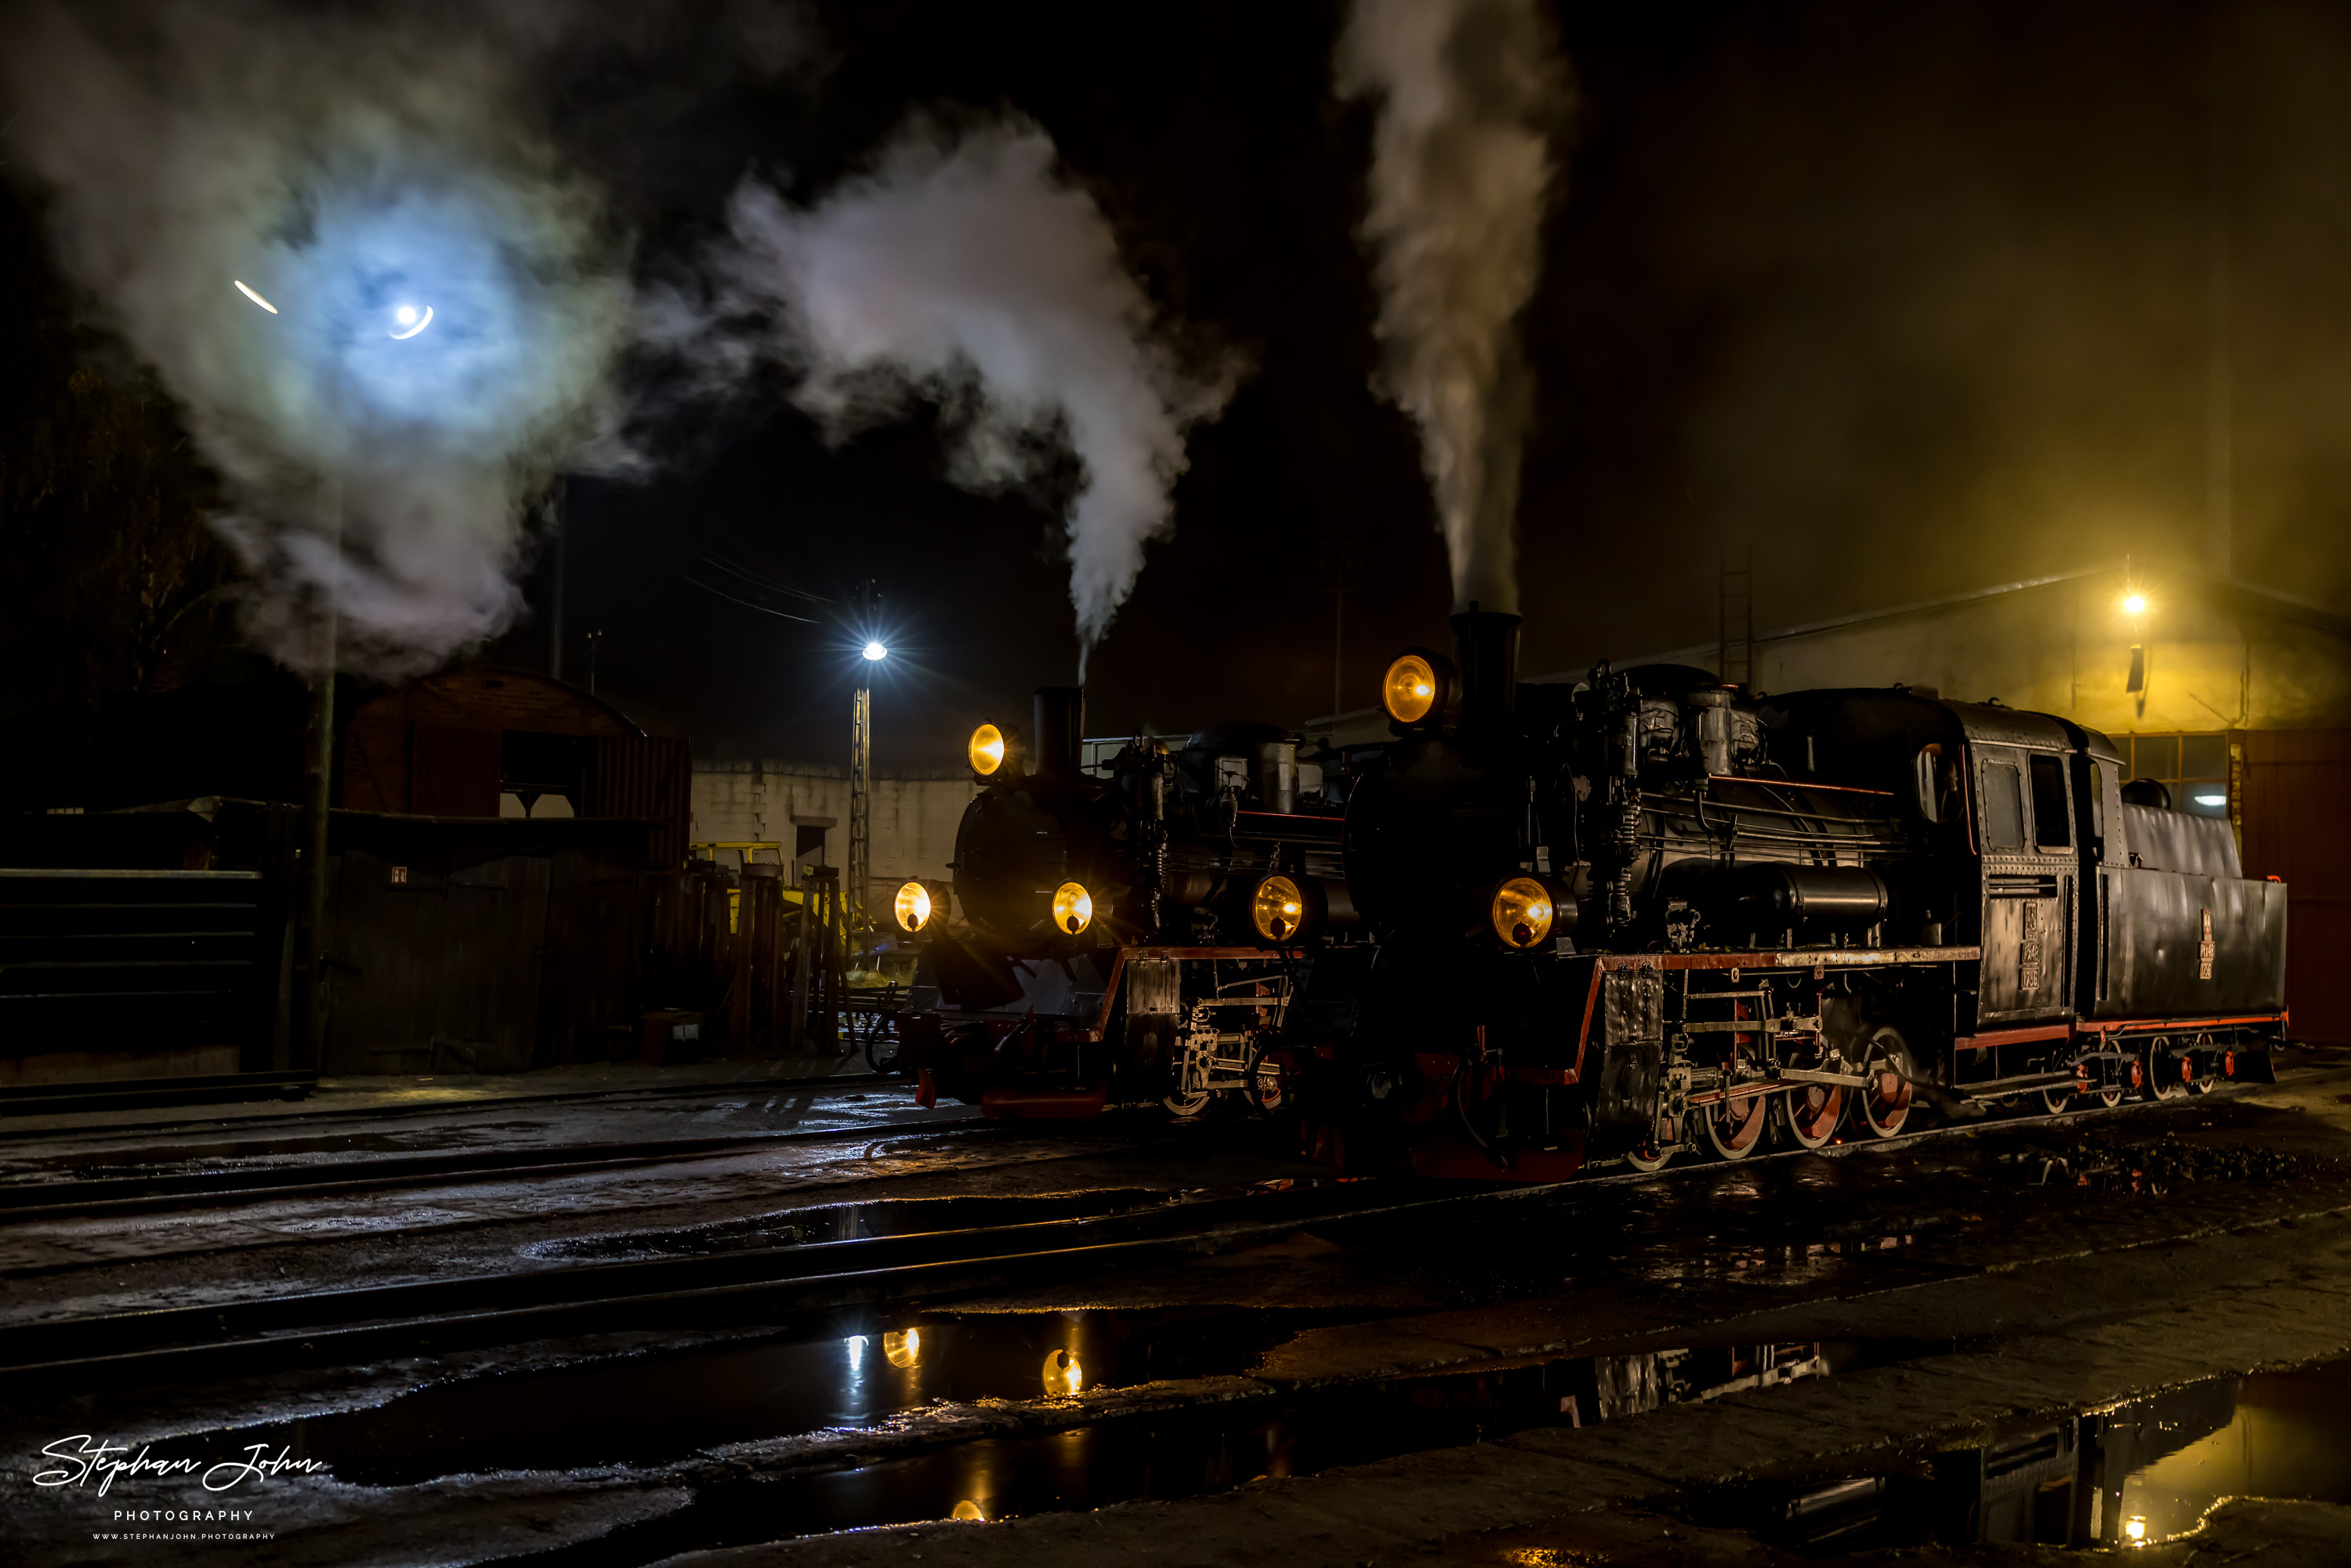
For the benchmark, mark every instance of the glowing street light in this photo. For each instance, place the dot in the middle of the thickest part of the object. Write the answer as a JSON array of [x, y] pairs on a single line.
[[875, 652], [2135, 604], [407, 316]]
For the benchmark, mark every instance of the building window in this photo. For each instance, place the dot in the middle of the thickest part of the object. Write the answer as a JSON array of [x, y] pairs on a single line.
[[2193, 767]]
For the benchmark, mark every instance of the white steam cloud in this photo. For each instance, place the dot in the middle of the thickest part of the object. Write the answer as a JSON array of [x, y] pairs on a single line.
[[1461, 178], [345, 173], [965, 271]]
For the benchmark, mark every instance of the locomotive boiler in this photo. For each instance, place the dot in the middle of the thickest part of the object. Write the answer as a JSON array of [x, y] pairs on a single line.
[[1632, 916]]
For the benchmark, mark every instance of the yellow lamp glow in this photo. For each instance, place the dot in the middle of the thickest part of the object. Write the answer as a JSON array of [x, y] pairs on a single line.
[[968, 1513], [1278, 910], [912, 906], [2135, 604], [903, 1347], [1522, 911], [1409, 689], [2136, 1528], [985, 750], [1063, 1374], [1074, 907]]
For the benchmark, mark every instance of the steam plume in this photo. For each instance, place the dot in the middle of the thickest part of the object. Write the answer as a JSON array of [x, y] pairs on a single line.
[[965, 271], [1462, 176], [343, 171]]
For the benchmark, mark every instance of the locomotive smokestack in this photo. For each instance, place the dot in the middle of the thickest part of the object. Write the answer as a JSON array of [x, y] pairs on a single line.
[[1486, 651], [1060, 729]]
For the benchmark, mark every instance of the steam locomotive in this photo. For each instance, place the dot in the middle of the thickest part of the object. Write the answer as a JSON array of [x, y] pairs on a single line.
[[1639, 916]]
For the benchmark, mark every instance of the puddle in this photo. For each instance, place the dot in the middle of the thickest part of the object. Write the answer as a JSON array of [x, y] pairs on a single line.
[[1201, 1449], [2135, 1475], [852, 1221], [2151, 1166], [651, 1409]]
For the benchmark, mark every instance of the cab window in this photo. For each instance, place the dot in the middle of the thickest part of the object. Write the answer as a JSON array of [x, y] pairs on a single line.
[[2003, 810], [2050, 827]]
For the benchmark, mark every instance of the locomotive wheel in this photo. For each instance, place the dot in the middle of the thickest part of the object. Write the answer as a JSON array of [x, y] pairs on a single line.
[[1813, 1111], [2167, 1075], [1886, 1098], [1651, 1156], [2057, 1099], [1734, 1128], [2110, 1095], [1190, 1104]]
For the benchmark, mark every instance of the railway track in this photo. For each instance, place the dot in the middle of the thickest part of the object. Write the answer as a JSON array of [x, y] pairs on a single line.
[[104, 1196], [316, 1115], [771, 1285]]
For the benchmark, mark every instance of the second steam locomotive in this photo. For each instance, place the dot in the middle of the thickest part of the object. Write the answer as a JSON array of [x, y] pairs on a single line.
[[1547, 923]]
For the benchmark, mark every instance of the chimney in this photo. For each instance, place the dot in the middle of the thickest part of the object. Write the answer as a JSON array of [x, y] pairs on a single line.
[[1486, 651], [1061, 724]]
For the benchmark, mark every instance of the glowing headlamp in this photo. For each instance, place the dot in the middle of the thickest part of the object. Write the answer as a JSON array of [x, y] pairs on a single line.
[[913, 907], [1521, 912], [985, 750], [1418, 688], [1278, 909], [1074, 907]]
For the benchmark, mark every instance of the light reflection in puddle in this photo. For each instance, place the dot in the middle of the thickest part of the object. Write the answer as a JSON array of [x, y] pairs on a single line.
[[2137, 1474], [653, 1409]]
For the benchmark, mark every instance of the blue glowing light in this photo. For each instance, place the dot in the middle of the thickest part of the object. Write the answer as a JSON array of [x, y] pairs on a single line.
[[361, 280], [876, 653]]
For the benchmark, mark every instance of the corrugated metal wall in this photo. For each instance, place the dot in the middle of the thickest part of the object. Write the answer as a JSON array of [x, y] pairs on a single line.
[[646, 777], [2294, 806]]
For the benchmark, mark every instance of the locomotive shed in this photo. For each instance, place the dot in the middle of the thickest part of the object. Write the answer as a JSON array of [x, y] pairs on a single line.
[[1626, 1367]]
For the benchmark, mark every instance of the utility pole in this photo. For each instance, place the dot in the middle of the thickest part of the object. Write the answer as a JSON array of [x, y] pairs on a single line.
[[2220, 443], [1338, 642], [554, 627], [318, 784], [861, 761], [1734, 620]]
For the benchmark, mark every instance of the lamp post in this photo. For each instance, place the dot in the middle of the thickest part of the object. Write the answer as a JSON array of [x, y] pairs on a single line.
[[861, 780]]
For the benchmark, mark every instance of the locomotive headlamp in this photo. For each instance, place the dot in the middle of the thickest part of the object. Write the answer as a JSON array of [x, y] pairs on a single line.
[[1074, 907], [1409, 690], [1278, 909], [913, 907], [985, 750], [1521, 912]]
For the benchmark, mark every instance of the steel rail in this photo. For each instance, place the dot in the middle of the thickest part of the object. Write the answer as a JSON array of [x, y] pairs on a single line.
[[320, 1117], [26, 1201], [766, 1285]]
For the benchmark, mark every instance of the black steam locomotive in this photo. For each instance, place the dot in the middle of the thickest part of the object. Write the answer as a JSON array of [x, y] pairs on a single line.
[[1548, 923]]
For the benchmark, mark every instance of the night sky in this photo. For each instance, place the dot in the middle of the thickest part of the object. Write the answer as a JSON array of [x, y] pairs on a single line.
[[1907, 300]]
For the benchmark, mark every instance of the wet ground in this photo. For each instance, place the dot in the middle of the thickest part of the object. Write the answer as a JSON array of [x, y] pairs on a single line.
[[2090, 1331]]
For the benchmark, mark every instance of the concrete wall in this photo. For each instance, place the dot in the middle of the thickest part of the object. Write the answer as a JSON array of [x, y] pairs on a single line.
[[2217, 657], [913, 818]]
